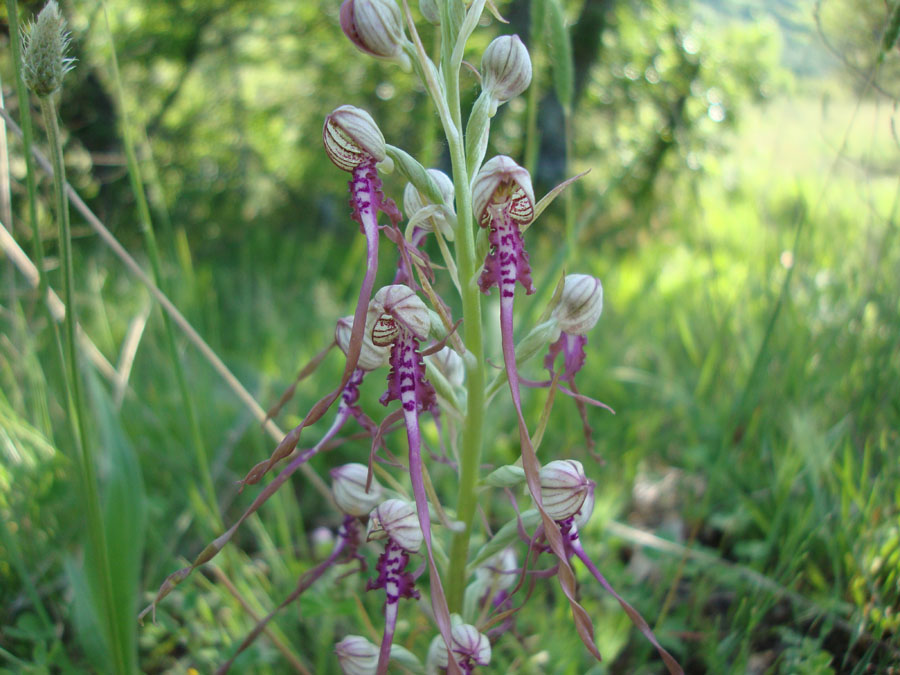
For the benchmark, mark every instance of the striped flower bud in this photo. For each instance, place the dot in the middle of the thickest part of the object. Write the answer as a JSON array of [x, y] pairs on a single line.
[[395, 308], [564, 488], [470, 649], [45, 61], [502, 182], [376, 28], [581, 304], [352, 138], [396, 519], [357, 656], [348, 484], [505, 68], [371, 357]]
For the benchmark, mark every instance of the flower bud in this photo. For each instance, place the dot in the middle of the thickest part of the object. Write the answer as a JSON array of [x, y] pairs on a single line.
[[413, 200], [348, 483], [581, 304], [371, 357], [440, 215], [357, 656], [352, 138], [498, 571], [564, 488], [450, 365], [503, 182], [430, 11], [376, 28], [397, 519], [505, 68], [322, 540], [394, 308], [469, 647], [45, 61]]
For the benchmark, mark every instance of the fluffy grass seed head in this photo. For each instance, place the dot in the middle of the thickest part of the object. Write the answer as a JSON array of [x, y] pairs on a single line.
[[46, 43]]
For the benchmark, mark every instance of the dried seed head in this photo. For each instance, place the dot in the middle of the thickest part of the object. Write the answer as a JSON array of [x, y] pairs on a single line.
[[376, 28], [348, 484], [470, 649], [581, 304], [450, 365], [352, 138], [397, 519], [564, 488], [357, 656], [371, 357], [503, 184], [45, 61], [505, 68], [395, 308]]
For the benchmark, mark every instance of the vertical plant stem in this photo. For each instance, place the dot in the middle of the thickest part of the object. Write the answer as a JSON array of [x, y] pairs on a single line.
[[15, 38], [532, 134], [137, 187], [88, 475], [473, 425]]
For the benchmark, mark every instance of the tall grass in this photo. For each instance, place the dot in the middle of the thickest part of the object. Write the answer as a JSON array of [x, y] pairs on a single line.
[[756, 394]]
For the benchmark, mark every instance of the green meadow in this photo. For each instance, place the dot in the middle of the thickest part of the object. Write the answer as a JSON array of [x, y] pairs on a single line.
[[741, 211]]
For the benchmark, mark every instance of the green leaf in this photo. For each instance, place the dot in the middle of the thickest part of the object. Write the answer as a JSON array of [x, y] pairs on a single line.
[[560, 54]]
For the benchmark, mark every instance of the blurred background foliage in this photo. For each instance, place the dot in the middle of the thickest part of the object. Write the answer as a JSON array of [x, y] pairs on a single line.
[[741, 210]]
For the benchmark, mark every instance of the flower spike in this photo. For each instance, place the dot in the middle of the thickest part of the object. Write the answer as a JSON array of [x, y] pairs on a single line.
[[503, 200], [397, 316]]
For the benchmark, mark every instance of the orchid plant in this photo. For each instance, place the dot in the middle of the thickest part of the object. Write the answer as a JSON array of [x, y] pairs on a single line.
[[437, 364]]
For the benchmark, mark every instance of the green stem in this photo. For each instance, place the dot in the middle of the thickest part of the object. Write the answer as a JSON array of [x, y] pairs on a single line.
[[473, 425], [75, 397], [137, 187], [12, 12]]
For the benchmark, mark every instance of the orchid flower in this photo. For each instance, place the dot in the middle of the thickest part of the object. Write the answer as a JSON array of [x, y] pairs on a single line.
[[395, 520], [503, 201], [578, 311], [398, 317], [568, 497]]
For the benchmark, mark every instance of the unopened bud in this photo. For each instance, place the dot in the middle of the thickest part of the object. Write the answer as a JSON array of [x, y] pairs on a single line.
[[376, 28], [564, 488], [413, 200], [45, 61], [498, 571], [371, 357], [505, 68], [397, 519], [470, 648], [393, 308], [581, 304], [503, 182], [352, 138], [357, 656], [450, 365], [348, 483], [427, 215], [430, 11]]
